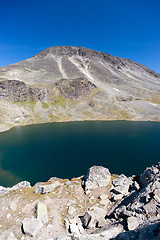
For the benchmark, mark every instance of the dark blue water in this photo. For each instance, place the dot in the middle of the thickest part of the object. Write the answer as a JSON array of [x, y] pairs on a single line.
[[36, 153]]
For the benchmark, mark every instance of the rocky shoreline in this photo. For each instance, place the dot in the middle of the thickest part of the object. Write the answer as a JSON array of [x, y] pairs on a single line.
[[97, 206]]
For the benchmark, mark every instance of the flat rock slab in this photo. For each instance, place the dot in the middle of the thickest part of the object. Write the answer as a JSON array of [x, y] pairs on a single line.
[[41, 212], [47, 188]]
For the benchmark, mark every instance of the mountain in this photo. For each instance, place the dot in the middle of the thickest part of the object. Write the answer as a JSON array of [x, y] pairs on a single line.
[[75, 83]]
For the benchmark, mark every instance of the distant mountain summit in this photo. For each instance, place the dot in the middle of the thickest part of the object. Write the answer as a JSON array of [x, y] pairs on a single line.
[[75, 83]]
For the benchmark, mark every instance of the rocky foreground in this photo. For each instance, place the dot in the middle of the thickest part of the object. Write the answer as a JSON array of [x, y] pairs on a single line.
[[98, 206]]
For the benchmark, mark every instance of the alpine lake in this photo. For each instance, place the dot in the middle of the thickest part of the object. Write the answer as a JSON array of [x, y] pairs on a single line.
[[66, 150]]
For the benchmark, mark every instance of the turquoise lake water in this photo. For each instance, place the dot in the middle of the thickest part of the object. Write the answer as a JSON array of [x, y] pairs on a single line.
[[36, 153]]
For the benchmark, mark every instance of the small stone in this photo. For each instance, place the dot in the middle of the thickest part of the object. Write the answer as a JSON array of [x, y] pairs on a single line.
[[8, 215], [117, 197], [13, 206], [132, 223], [41, 212], [71, 210], [31, 226], [11, 237]]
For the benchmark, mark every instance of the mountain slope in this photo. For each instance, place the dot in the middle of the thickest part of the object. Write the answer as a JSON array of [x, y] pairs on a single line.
[[76, 83]]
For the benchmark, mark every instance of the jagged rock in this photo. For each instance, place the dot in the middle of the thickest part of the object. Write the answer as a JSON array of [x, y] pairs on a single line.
[[75, 226], [86, 219], [11, 236], [151, 208], [132, 223], [41, 212], [147, 233], [97, 176], [121, 185], [95, 216], [31, 226], [74, 88], [110, 231], [4, 190], [47, 188], [156, 193], [150, 174], [23, 184]]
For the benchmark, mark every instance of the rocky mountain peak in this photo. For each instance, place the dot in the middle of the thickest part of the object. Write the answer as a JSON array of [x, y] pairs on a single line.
[[61, 51]]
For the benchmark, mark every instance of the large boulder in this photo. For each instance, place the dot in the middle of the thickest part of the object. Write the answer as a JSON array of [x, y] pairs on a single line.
[[97, 176], [30, 226]]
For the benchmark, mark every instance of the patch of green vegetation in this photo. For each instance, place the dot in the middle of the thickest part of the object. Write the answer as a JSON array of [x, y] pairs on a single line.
[[45, 105], [61, 101], [125, 115], [31, 104]]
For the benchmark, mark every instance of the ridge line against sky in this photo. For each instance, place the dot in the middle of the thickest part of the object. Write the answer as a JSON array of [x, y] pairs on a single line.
[[128, 29]]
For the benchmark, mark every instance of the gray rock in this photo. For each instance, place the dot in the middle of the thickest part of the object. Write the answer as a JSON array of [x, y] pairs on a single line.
[[4, 190], [41, 212], [156, 193], [149, 175], [75, 226], [147, 233], [97, 176], [132, 223], [121, 185], [95, 216], [23, 184], [110, 231], [31, 226], [74, 229], [47, 188], [151, 208], [86, 219]]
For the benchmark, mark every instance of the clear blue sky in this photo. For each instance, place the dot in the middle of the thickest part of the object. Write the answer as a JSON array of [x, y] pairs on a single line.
[[125, 28]]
